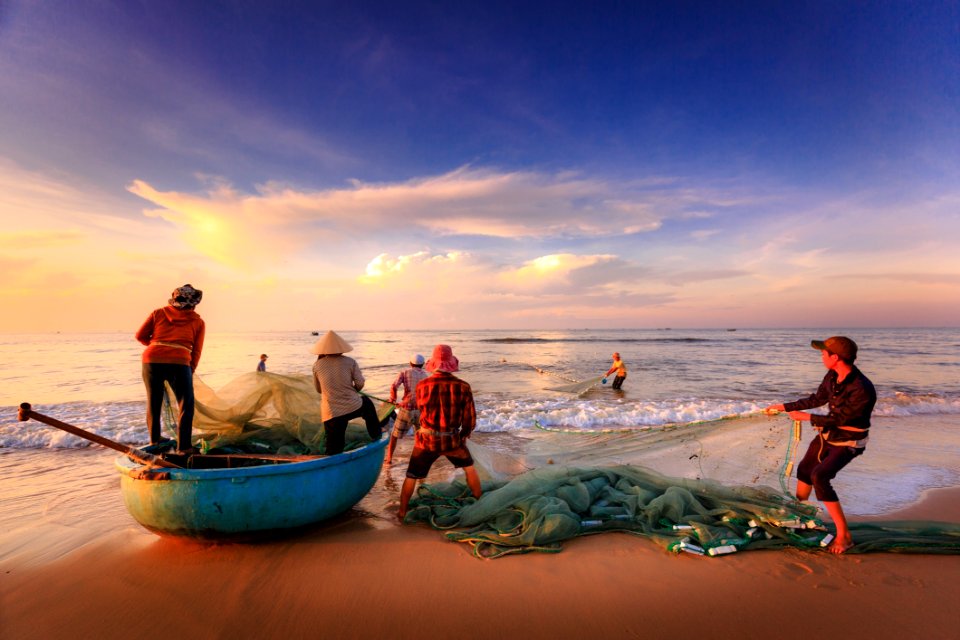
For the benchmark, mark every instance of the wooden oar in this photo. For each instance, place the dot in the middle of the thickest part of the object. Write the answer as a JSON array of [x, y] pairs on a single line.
[[25, 413]]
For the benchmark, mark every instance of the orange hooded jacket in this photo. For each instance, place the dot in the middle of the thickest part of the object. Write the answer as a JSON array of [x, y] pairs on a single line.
[[172, 336]]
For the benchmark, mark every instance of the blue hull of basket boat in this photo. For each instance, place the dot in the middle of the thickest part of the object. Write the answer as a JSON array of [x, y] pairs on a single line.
[[247, 500]]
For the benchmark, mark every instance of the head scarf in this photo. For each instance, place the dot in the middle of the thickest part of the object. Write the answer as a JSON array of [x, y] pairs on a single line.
[[185, 297]]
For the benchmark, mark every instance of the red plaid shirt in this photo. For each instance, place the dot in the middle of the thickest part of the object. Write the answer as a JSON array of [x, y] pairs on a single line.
[[447, 412]]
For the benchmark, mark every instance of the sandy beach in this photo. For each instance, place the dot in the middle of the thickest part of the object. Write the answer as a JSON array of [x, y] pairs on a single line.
[[365, 576], [637, 233]]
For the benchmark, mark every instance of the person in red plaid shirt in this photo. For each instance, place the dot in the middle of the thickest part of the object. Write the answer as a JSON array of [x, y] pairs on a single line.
[[447, 418]]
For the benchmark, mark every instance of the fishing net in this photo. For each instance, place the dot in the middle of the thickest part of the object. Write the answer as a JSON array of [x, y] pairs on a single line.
[[578, 388], [702, 487], [262, 412], [540, 509], [575, 387]]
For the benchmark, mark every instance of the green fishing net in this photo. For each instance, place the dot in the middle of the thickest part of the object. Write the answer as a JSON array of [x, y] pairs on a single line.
[[538, 510], [263, 412], [703, 488]]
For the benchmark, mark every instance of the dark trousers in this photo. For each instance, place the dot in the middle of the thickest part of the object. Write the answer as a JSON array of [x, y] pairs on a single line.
[[618, 381], [821, 464], [336, 428], [180, 377]]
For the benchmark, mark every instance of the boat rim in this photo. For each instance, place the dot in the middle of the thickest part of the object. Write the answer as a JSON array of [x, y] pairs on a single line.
[[127, 466]]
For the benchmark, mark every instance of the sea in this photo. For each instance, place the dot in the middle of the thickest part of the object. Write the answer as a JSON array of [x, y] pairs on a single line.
[[675, 376], [691, 406]]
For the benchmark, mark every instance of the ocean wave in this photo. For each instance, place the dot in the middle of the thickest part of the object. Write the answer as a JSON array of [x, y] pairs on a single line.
[[124, 421], [519, 415], [534, 340], [904, 404]]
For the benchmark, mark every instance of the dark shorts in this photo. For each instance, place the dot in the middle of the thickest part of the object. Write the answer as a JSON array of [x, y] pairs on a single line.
[[421, 460], [821, 464]]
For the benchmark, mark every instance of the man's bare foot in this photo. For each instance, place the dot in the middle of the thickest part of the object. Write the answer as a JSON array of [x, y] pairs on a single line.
[[839, 546], [401, 516]]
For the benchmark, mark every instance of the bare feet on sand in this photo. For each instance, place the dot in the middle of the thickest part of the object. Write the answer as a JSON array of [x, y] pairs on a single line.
[[839, 546]]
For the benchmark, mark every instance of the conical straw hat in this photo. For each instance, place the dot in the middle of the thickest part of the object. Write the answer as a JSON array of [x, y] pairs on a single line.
[[330, 344]]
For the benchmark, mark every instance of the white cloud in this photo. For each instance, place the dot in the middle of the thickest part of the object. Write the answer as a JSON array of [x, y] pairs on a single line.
[[234, 227], [555, 253]]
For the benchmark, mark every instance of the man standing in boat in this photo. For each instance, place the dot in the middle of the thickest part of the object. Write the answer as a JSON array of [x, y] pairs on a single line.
[[842, 433], [447, 418], [407, 413], [174, 338], [338, 380]]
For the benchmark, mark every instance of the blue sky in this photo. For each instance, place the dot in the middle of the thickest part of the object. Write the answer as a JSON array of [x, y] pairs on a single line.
[[499, 165]]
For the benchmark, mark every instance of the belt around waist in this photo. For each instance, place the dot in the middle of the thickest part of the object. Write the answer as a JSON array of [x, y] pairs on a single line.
[[858, 442], [172, 344], [855, 433], [442, 434]]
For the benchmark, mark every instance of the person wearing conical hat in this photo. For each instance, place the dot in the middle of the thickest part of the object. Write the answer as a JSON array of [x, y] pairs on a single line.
[[174, 338], [447, 418], [338, 380]]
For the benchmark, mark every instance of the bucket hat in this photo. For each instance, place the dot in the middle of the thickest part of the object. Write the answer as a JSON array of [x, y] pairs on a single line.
[[416, 360], [443, 360]]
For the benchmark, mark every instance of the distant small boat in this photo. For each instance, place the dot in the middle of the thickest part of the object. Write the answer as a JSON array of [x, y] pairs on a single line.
[[731, 329], [314, 333], [273, 495]]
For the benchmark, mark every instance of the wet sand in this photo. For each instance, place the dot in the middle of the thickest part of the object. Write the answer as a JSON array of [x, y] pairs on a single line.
[[365, 576]]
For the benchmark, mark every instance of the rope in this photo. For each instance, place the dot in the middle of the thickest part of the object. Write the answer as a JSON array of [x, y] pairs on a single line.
[[543, 371], [372, 397], [667, 425], [787, 467], [785, 470]]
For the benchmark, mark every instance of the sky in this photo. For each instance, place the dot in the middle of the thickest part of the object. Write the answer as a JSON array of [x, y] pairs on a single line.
[[490, 165]]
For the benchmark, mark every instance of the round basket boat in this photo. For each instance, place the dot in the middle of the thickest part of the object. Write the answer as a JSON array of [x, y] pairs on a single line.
[[218, 502]]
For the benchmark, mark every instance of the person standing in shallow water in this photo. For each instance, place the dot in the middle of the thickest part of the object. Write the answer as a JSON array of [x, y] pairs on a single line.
[[338, 380], [407, 413], [174, 338], [447, 418], [842, 433], [621, 370]]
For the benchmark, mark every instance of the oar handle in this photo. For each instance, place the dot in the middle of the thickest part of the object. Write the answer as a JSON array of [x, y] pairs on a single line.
[[26, 413]]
